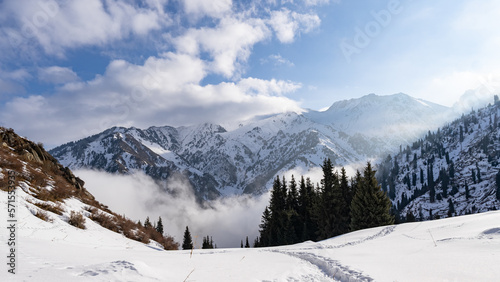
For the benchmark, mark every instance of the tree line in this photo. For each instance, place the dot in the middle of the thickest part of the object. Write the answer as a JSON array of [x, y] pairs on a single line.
[[299, 212]]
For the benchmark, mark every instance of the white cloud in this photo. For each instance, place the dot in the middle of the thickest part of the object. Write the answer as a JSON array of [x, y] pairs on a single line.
[[57, 75], [228, 220], [228, 44], [287, 24], [163, 91], [318, 2], [11, 82], [277, 60], [58, 25], [201, 8]]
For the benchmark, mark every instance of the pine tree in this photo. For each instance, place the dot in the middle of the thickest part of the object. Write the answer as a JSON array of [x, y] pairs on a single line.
[[451, 208], [331, 221], [187, 243], [410, 217], [292, 197], [159, 226], [307, 200], [421, 176], [278, 219], [467, 191], [497, 179], [208, 243], [264, 230], [247, 245], [294, 224], [478, 174], [370, 206], [147, 223], [347, 198]]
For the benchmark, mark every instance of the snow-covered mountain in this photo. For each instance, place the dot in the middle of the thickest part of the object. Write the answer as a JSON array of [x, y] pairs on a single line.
[[245, 158], [387, 121], [456, 167]]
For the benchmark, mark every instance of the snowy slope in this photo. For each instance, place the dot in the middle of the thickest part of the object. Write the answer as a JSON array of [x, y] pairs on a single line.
[[245, 158], [465, 248], [465, 147]]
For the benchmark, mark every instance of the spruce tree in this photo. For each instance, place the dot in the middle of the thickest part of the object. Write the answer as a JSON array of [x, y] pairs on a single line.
[[331, 221], [347, 196], [187, 243], [294, 224], [451, 208], [370, 206], [292, 196], [147, 223], [264, 230], [159, 226], [278, 215], [497, 180], [247, 245]]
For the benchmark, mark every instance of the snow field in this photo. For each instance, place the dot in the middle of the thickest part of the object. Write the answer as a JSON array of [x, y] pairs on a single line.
[[465, 248]]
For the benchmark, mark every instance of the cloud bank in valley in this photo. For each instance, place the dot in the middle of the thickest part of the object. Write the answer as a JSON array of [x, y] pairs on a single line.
[[228, 220]]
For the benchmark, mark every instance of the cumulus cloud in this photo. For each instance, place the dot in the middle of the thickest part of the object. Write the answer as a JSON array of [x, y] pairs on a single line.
[[201, 8], [227, 220], [57, 75], [164, 90], [228, 44], [287, 24], [58, 25]]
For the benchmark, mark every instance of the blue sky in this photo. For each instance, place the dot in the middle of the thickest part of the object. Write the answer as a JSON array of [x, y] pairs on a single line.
[[69, 69]]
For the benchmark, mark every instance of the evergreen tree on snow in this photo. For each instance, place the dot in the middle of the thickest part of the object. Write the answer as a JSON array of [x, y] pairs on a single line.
[[497, 179], [187, 243], [159, 226], [370, 206]]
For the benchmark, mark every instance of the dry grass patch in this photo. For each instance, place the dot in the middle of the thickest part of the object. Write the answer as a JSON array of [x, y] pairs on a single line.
[[77, 220], [43, 216], [51, 208]]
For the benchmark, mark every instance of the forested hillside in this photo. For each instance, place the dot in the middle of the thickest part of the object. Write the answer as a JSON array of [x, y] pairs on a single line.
[[298, 212], [452, 171]]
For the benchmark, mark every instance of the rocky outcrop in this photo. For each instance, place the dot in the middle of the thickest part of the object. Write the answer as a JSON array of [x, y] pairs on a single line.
[[34, 152]]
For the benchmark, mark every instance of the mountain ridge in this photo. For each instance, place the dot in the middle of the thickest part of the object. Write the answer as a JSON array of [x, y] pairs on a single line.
[[244, 159]]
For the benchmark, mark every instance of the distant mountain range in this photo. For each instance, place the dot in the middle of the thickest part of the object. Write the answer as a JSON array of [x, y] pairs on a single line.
[[243, 159]]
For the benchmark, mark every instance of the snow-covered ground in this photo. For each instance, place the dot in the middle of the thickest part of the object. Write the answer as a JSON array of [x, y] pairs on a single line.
[[465, 248]]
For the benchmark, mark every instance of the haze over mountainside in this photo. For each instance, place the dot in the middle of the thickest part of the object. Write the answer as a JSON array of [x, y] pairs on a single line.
[[452, 171], [246, 158], [387, 121]]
